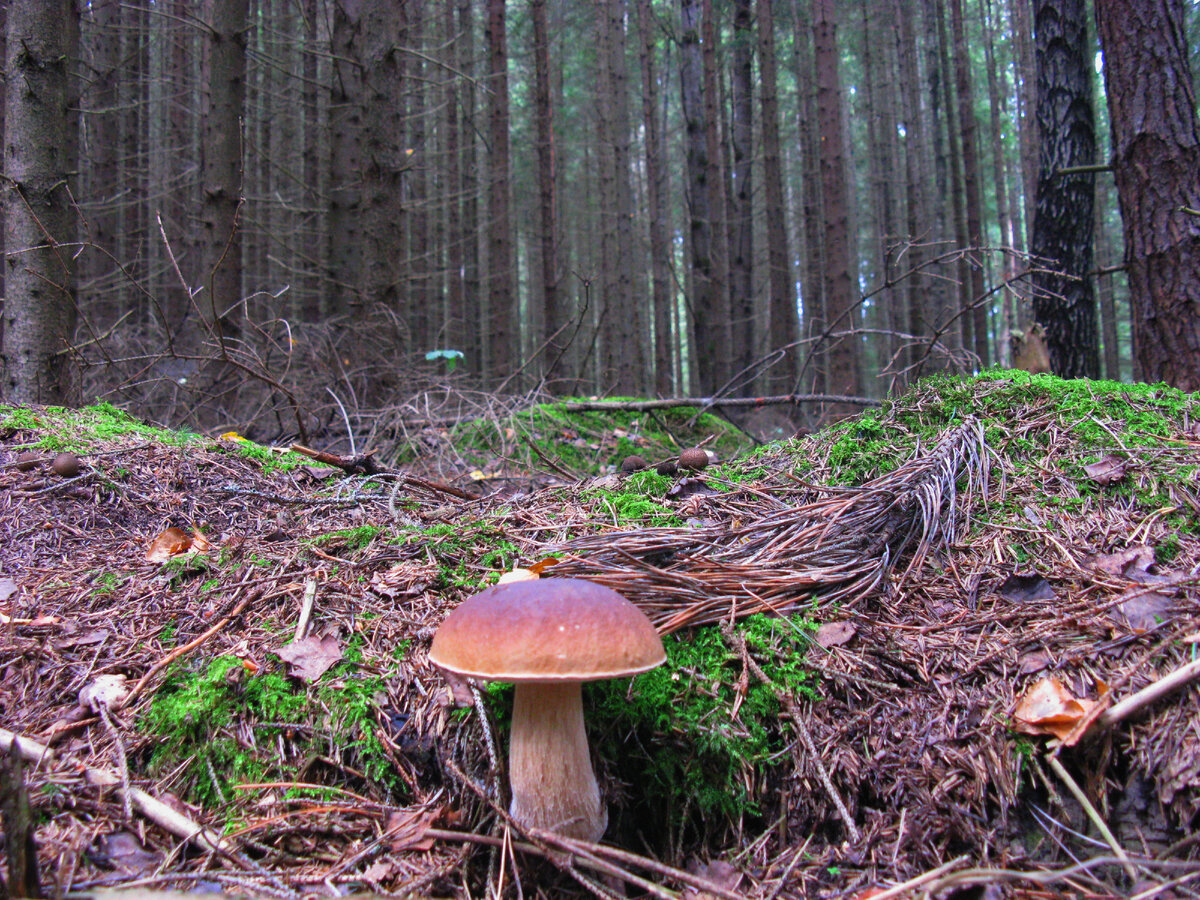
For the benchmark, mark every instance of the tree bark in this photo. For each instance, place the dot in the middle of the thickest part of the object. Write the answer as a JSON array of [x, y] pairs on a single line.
[[741, 217], [503, 348], [346, 220], [1063, 300], [665, 343], [39, 308], [221, 174], [715, 183], [784, 329], [555, 334], [1156, 161], [840, 294]]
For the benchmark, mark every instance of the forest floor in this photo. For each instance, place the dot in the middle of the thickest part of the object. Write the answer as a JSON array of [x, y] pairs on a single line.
[[945, 648]]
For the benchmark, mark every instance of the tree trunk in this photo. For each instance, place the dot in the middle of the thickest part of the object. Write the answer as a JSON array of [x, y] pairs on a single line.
[[715, 182], [1156, 161], [971, 178], [555, 332], [39, 308], [503, 347], [741, 216], [1063, 301], [784, 328], [346, 232], [841, 296], [221, 172], [472, 319], [657, 202]]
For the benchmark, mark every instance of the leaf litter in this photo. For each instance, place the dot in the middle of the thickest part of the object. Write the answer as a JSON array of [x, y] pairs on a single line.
[[951, 622]]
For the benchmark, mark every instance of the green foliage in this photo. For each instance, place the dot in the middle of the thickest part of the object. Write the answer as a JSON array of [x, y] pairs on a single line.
[[467, 554], [673, 732], [348, 539], [636, 500], [218, 728], [78, 430]]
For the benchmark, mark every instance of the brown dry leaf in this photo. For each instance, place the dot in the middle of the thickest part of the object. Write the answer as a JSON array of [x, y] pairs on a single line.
[[124, 852], [1025, 588], [407, 827], [378, 872], [1109, 470], [459, 694], [170, 542], [1033, 662], [720, 873], [1049, 707], [1133, 563], [200, 543], [834, 634], [310, 658], [404, 579], [1143, 609], [543, 564], [103, 692]]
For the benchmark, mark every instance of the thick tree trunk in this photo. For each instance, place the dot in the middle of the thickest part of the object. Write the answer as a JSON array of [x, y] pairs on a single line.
[[1063, 300], [346, 232], [715, 182], [221, 174], [784, 329], [39, 308], [841, 296], [1156, 160]]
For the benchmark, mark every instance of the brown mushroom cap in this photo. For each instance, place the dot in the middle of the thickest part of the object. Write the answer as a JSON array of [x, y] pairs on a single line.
[[549, 630], [693, 458]]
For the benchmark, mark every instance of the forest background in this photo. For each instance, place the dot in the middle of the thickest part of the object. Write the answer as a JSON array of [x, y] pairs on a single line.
[[253, 212]]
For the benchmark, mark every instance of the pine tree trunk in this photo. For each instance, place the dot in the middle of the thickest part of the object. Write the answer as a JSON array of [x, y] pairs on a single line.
[[346, 219], [221, 174], [1063, 301], [715, 183], [502, 341], [841, 296], [1156, 161], [784, 328], [39, 307], [555, 332], [741, 216], [665, 343]]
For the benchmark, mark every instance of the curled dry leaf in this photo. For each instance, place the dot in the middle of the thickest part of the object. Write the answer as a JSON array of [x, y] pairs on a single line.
[[404, 579], [407, 829], [310, 658], [1142, 609], [1109, 470], [103, 692], [1049, 707], [170, 542], [834, 634], [1133, 564]]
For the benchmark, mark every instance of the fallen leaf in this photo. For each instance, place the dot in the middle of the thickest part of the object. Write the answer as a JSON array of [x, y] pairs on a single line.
[[543, 564], [1033, 662], [1142, 609], [378, 872], [1109, 470], [103, 692], [1049, 707], [834, 634], [8, 587], [1133, 564], [459, 693], [124, 852], [1025, 588], [311, 657], [406, 829], [517, 575], [404, 579], [170, 542], [200, 543], [718, 872]]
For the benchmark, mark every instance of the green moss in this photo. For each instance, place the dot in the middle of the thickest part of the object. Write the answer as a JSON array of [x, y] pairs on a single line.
[[636, 500], [348, 539], [221, 727], [468, 555]]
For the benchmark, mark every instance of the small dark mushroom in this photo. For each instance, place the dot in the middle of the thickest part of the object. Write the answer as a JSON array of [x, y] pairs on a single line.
[[667, 467], [693, 458], [66, 465], [27, 461], [633, 463]]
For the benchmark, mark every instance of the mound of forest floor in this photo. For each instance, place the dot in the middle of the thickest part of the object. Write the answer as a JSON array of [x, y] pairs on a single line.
[[948, 643]]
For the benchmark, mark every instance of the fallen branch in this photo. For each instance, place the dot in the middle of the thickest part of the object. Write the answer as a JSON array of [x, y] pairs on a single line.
[[364, 464], [718, 402], [150, 807], [1134, 703]]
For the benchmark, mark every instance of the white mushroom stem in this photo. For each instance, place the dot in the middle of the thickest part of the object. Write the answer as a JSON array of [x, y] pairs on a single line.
[[549, 768]]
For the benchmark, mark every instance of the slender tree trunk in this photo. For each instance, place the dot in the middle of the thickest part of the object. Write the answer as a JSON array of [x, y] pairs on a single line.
[[221, 173], [971, 179], [656, 200], [1105, 294], [840, 293], [784, 330], [346, 231], [96, 267], [39, 309], [503, 348], [555, 332], [998, 104], [452, 149], [472, 322], [704, 294], [741, 218], [1025, 70], [1156, 161], [1063, 301], [309, 305], [715, 182]]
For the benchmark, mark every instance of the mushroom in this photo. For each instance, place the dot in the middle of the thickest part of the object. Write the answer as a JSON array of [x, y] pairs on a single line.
[[548, 637], [694, 458]]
